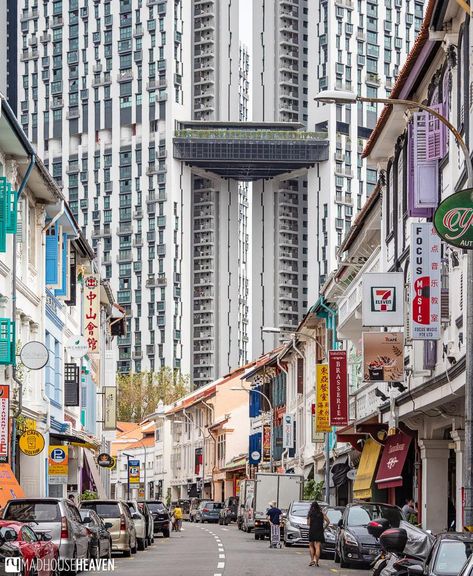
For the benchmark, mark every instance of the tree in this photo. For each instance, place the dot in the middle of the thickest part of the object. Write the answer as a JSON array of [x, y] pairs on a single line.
[[140, 392], [313, 490]]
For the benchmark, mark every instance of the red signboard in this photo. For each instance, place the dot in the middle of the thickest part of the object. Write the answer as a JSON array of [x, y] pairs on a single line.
[[4, 409], [392, 461], [267, 443], [337, 360]]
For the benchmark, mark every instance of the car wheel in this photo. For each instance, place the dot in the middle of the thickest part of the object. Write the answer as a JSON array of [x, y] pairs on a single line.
[[166, 534], [134, 550], [287, 544], [336, 557], [109, 554], [343, 562], [127, 553], [141, 544]]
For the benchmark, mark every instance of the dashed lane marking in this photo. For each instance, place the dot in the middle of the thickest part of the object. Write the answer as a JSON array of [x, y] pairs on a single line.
[[221, 565]]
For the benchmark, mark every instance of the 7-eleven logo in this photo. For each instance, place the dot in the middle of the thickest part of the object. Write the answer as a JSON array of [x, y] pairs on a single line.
[[383, 299]]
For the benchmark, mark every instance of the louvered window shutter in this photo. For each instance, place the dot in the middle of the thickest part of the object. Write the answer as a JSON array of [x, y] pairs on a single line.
[[426, 171], [300, 375], [72, 292], [3, 215], [71, 384], [435, 135], [12, 204], [52, 256], [444, 294], [7, 345], [62, 291], [412, 209]]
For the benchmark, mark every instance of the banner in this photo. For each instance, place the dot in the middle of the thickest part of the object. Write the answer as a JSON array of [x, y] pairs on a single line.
[[58, 464], [92, 312], [316, 437], [4, 423], [425, 282], [383, 356], [109, 407], [383, 299], [337, 360], [266, 443], [288, 431], [134, 471], [322, 422]]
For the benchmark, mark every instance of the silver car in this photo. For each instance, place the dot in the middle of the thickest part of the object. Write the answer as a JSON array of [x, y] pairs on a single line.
[[58, 517], [140, 524]]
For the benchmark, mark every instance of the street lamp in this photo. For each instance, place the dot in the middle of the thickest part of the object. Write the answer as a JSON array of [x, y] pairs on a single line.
[[276, 330], [271, 415], [344, 97]]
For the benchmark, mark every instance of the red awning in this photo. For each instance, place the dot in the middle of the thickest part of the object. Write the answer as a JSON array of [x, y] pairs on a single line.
[[392, 461]]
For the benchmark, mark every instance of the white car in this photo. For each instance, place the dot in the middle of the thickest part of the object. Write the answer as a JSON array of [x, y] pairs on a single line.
[[140, 524]]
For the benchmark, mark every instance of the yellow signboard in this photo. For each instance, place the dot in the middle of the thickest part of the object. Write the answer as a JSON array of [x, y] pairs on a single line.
[[58, 464], [31, 442], [322, 406]]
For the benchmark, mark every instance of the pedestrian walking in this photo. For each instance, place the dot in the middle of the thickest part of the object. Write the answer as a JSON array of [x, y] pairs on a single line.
[[177, 515], [317, 521], [274, 516]]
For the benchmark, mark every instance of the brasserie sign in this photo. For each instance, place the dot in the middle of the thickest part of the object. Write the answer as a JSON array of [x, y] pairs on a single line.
[[453, 219]]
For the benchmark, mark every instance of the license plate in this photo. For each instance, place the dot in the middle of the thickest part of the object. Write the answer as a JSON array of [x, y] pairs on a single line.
[[374, 551]]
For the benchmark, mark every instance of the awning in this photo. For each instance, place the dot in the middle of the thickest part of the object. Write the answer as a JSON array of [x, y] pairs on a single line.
[[339, 470], [73, 440], [9, 487], [366, 469], [392, 461]]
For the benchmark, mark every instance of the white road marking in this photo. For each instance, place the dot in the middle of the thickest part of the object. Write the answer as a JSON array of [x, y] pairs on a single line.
[[221, 556], [225, 529], [221, 565]]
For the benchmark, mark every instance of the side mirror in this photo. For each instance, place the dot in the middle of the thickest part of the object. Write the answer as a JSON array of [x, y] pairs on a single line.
[[340, 523], [9, 535], [46, 537], [87, 520], [108, 525], [136, 516]]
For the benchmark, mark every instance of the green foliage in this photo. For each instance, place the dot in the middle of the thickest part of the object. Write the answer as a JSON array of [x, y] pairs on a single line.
[[168, 497], [140, 392], [314, 490], [89, 495]]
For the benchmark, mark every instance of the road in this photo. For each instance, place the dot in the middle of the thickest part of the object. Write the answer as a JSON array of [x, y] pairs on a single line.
[[212, 550]]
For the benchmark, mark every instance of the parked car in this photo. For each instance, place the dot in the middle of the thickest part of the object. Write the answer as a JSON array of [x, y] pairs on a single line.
[[208, 511], [248, 514], [144, 509], [334, 514], [185, 505], [450, 553], [140, 524], [296, 528], [100, 539], [161, 517], [354, 543], [8, 550], [59, 517], [122, 530], [38, 551], [229, 511], [193, 508]]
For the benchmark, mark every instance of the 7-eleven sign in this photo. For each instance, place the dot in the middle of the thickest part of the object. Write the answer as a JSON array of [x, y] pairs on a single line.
[[383, 299]]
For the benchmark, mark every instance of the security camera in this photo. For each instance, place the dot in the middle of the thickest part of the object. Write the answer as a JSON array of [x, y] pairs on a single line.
[[451, 359]]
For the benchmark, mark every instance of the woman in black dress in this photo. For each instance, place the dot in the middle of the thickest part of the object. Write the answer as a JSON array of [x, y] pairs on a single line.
[[317, 522]]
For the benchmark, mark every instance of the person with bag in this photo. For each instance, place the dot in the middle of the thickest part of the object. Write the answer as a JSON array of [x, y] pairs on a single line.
[[317, 521]]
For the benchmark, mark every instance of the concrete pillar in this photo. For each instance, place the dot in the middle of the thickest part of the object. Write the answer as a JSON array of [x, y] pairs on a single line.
[[458, 437], [434, 455]]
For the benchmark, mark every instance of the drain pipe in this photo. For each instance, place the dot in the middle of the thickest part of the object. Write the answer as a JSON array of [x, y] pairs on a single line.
[[18, 411]]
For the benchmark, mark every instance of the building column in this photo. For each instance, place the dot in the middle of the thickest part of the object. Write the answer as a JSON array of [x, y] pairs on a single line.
[[434, 455], [458, 437]]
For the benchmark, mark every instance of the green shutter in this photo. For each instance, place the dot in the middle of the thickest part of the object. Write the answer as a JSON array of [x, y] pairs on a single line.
[[3, 214], [7, 346], [12, 205]]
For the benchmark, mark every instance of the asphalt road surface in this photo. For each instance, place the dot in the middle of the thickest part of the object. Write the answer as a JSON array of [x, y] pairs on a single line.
[[213, 550]]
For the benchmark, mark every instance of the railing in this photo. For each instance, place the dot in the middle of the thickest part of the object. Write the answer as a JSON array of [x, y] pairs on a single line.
[[250, 135]]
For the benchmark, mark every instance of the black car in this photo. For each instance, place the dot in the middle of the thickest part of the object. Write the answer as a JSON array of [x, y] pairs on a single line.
[[100, 539], [8, 551], [161, 517], [354, 544], [229, 512], [450, 553]]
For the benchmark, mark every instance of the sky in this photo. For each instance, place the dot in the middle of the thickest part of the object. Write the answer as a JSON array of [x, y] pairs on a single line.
[[246, 13]]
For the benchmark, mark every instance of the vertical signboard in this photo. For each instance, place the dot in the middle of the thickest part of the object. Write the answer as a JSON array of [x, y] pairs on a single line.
[[266, 443], [4, 424], [109, 407], [58, 464], [288, 431], [337, 360], [322, 422], [315, 436], [92, 312], [134, 471], [425, 282]]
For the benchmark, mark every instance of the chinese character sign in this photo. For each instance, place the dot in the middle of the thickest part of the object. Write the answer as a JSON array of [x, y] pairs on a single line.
[[267, 443], [322, 420], [425, 282], [338, 387], [4, 408], [92, 312]]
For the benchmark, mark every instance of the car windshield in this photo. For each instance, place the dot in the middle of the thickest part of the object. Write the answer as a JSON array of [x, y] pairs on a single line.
[[333, 515], [364, 513], [451, 556], [104, 509], [300, 509], [156, 507], [33, 512]]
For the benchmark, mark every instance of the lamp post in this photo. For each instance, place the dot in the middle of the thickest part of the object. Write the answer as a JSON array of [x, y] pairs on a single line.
[[271, 415], [344, 97], [128, 456], [275, 330]]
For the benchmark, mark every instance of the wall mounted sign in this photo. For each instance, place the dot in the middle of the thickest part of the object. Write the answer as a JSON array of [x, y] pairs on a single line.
[[267, 443], [31, 443], [322, 408], [77, 346], [453, 219], [4, 428], [383, 299], [316, 437], [288, 431], [92, 312], [58, 464], [104, 460], [383, 356], [34, 355], [134, 471], [425, 282], [109, 407], [338, 391]]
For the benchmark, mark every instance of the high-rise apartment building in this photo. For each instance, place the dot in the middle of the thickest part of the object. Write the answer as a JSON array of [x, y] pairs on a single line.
[[100, 88], [299, 49]]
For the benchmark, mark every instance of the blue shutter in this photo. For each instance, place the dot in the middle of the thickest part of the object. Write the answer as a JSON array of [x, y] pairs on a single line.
[[3, 215], [12, 205], [52, 254], [65, 270]]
